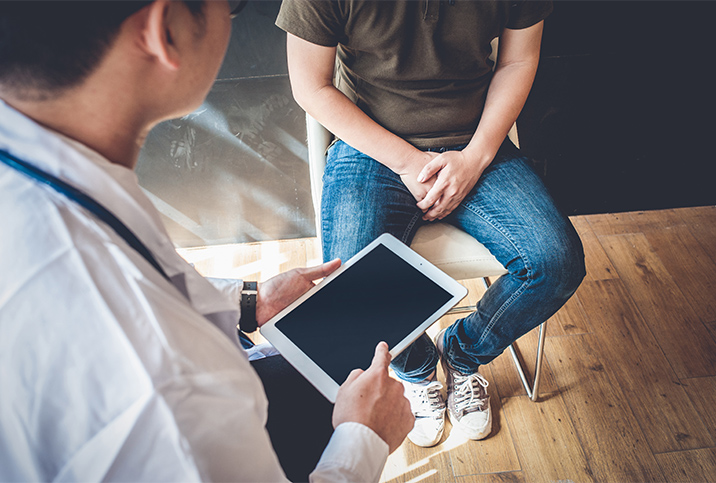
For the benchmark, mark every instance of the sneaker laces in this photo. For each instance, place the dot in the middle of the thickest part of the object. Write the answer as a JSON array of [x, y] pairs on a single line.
[[470, 393], [426, 400]]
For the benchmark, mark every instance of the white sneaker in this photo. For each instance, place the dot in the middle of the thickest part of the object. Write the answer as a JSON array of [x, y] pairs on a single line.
[[428, 406], [468, 403]]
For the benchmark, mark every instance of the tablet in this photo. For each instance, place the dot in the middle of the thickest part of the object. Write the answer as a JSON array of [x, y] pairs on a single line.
[[386, 292]]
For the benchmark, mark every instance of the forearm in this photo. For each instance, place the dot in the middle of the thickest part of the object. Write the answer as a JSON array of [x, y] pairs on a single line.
[[512, 80], [506, 97], [310, 69], [345, 120]]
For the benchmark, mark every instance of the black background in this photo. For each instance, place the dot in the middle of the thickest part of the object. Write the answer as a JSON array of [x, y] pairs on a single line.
[[621, 114]]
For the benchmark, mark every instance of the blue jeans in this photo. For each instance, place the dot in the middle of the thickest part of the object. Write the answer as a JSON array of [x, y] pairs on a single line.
[[509, 211]]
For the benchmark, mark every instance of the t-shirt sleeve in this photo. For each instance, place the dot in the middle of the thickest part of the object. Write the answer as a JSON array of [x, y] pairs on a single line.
[[526, 13], [319, 22]]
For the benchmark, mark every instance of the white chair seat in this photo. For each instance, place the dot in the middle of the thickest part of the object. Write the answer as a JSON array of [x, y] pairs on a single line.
[[455, 252]]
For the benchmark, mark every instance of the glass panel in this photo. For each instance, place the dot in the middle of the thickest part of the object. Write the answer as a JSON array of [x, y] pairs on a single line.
[[235, 170]]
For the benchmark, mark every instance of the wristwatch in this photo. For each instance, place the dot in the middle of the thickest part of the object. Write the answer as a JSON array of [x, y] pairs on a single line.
[[247, 321]]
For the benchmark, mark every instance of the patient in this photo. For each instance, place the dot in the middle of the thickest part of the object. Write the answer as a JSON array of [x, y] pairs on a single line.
[[422, 120]]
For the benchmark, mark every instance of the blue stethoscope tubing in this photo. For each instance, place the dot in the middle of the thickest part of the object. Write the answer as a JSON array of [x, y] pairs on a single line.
[[85, 201]]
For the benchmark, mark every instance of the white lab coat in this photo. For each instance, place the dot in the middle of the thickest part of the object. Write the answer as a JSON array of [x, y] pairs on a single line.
[[108, 371]]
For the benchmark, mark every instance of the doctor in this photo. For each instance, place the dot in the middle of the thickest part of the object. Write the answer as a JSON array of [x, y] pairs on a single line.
[[117, 360]]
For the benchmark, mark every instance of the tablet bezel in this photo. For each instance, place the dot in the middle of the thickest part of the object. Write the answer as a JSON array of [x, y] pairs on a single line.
[[312, 371]]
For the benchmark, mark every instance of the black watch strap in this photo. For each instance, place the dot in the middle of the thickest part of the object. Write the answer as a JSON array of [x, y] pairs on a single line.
[[247, 321]]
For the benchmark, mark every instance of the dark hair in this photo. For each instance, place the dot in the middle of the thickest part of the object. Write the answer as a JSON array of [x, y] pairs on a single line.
[[48, 46]]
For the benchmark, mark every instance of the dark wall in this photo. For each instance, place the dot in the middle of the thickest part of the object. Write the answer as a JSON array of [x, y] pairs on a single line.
[[621, 114]]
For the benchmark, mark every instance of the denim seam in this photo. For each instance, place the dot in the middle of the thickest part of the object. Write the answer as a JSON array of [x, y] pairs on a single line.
[[409, 228], [522, 287]]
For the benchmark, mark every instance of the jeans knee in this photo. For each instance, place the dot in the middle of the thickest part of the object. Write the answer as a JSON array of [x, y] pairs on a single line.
[[561, 268], [572, 275]]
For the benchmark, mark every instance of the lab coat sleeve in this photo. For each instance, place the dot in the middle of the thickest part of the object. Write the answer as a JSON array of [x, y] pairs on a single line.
[[354, 453], [229, 287]]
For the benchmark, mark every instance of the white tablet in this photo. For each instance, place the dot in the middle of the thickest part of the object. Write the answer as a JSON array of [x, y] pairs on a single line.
[[386, 292]]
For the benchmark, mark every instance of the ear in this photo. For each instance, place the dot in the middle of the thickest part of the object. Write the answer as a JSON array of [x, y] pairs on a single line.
[[158, 35]]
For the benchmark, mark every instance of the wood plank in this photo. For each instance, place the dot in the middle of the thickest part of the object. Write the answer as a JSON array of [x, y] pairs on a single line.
[[712, 329], [494, 454], [663, 218], [609, 434], [569, 320], [689, 466], [688, 263], [702, 392], [665, 413], [702, 223], [546, 442], [681, 334], [613, 224], [511, 477], [700, 215], [598, 265], [707, 211], [507, 379], [412, 463]]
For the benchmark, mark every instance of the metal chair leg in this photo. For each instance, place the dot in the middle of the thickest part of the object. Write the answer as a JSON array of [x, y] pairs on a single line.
[[533, 390]]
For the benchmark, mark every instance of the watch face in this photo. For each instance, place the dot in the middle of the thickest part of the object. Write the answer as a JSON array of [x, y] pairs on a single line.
[[250, 286]]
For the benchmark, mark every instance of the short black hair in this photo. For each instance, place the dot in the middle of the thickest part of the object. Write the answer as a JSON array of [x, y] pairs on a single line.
[[48, 46]]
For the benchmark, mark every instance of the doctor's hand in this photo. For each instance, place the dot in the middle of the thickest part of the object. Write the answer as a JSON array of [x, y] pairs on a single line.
[[277, 293], [376, 400]]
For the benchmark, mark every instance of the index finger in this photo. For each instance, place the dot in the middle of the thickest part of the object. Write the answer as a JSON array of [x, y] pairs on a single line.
[[382, 358]]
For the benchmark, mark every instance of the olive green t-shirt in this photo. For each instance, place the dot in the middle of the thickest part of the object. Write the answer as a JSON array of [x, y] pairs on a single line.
[[419, 68]]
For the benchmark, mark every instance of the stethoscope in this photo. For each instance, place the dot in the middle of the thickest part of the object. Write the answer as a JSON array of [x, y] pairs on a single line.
[[85, 201], [98, 210]]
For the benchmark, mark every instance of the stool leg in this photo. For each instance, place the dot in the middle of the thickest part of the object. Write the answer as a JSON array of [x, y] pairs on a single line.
[[533, 391]]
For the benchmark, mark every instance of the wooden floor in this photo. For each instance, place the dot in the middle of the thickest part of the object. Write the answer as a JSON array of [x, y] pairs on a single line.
[[629, 383]]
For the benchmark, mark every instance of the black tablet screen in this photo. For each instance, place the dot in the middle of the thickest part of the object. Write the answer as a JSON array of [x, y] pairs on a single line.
[[379, 298]]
